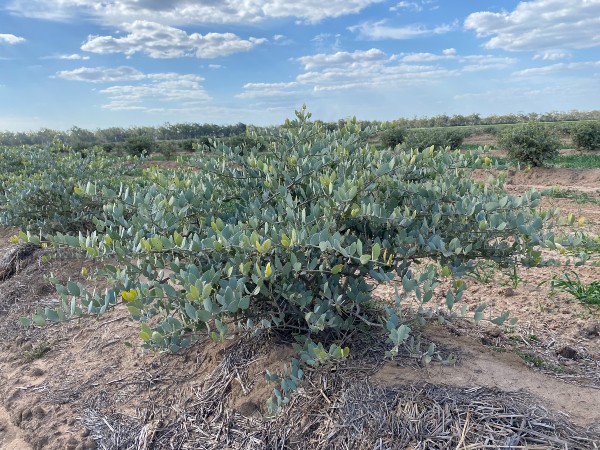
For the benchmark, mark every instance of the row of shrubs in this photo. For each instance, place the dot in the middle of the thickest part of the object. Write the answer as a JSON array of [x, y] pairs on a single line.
[[39, 187], [531, 143], [422, 138], [140, 145]]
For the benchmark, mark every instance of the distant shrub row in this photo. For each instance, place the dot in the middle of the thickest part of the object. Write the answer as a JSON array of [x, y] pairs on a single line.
[[421, 139]]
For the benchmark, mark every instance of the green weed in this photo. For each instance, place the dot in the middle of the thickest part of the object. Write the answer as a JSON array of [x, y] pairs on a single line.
[[586, 293], [37, 352], [530, 358], [578, 197], [577, 161]]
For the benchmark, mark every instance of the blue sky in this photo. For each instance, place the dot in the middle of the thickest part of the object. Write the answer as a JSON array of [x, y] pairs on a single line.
[[146, 62]]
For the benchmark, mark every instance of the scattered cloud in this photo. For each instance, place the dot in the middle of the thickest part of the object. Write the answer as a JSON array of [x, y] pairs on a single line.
[[11, 39], [410, 6], [540, 25], [559, 67], [377, 31], [358, 70], [467, 63], [272, 90], [476, 63], [101, 74], [343, 59], [162, 41], [176, 91], [327, 42], [72, 57], [215, 66], [185, 12], [552, 55], [415, 6], [449, 53], [373, 69]]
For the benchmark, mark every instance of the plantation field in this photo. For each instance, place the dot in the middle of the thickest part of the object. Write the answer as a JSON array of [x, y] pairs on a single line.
[[113, 336]]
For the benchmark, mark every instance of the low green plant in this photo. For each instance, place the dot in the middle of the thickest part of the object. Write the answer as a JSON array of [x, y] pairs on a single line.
[[37, 352], [577, 196], [586, 135], [531, 358], [582, 161], [570, 283], [484, 272], [531, 143]]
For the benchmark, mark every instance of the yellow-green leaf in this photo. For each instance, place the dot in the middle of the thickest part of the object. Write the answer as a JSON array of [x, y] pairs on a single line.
[[129, 295], [268, 270], [337, 268]]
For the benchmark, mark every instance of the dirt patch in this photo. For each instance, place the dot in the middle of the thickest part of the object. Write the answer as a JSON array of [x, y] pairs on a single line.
[[11, 437], [583, 180], [482, 367], [481, 139]]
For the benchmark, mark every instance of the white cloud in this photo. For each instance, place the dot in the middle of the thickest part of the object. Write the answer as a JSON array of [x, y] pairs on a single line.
[[327, 42], [376, 31], [101, 74], [540, 24], [343, 59], [175, 91], [468, 63], [185, 12], [361, 70], [449, 53], [162, 41], [373, 71], [411, 6], [11, 39], [271, 90], [72, 57], [559, 67], [215, 66], [552, 55], [416, 6], [476, 63]]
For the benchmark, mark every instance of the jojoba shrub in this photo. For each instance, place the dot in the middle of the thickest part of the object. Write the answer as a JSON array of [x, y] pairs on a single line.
[[530, 143], [293, 240]]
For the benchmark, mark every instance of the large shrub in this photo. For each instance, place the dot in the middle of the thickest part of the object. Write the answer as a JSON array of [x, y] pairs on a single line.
[[392, 137], [39, 188], [421, 139], [295, 239], [139, 145], [530, 143], [586, 135]]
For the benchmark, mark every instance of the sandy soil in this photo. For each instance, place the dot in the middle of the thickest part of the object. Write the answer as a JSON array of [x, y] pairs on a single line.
[[70, 386]]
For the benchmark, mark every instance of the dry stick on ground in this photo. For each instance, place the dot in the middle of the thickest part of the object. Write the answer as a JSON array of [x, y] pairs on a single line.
[[16, 259], [361, 415]]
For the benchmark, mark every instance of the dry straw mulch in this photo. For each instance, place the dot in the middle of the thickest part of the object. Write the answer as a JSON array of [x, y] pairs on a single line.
[[342, 409]]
